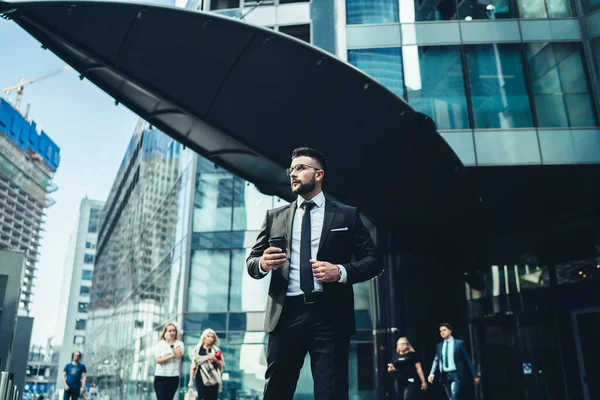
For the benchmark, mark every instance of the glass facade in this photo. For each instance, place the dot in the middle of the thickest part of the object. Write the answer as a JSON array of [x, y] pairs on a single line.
[[383, 64], [497, 84], [504, 82], [371, 12], [559, 83], [139, 275], [435, 84], [508, 82]]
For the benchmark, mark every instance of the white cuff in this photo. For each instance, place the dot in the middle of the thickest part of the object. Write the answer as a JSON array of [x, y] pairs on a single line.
[[344, 277], [260, 270]]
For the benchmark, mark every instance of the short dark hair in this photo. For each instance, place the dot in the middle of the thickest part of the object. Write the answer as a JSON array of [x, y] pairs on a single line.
[[312, 153], [446, 325]]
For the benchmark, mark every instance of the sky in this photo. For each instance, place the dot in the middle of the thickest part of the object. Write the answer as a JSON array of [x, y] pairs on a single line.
[[92, 134]]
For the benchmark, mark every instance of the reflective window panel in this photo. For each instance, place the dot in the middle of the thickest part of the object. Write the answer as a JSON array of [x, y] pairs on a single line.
[[427, 10], [591, 5], [435, 84], [301, 32], [545, 8], [494, 9], [209, 280], [224, 4], [560, 88], [383, 64], [371, 12], [497, 84]]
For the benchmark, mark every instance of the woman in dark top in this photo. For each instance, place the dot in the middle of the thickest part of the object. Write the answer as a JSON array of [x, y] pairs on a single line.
[[407, 371], [207, 366]]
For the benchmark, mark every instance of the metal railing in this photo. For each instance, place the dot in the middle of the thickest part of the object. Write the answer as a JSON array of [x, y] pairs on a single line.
[[8, 390]]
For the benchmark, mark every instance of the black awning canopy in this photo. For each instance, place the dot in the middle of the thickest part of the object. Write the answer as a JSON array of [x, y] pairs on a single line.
[[245, 96]]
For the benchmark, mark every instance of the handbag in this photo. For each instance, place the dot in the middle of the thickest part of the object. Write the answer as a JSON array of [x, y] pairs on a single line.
[[190, 395]]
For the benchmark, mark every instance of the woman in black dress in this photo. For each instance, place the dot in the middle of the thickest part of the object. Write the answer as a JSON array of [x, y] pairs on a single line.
[[407, 371], [207, 366]]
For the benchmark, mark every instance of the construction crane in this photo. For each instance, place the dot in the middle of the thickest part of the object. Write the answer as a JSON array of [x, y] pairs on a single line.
[[22, 83]]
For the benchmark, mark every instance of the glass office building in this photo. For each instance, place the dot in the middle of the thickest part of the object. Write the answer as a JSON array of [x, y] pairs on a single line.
[[513, 88]]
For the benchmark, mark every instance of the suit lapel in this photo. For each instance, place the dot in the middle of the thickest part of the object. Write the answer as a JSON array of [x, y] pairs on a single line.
[[455, 351], [330, 208], [289, 221]]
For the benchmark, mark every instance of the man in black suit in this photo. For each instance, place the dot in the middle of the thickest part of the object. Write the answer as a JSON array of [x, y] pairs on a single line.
[[311, 302], [451, 362]]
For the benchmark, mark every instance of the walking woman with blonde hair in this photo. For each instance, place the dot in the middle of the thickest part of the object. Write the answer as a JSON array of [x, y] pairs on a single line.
[[407, 371], [207, 366], [168, 353]]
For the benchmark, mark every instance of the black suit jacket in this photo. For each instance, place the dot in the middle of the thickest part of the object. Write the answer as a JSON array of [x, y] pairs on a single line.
[[353, 248], [461, 360]]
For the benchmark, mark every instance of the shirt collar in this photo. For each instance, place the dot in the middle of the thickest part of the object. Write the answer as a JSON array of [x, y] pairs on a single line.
[[450, 340], [319, 200]]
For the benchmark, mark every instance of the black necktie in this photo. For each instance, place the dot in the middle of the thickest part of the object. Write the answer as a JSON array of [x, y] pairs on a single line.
[[306, 276], [446, 362]]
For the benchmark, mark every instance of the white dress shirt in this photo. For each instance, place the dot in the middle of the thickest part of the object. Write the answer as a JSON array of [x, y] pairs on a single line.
[[451, 364], [317, 215], [170, 367]]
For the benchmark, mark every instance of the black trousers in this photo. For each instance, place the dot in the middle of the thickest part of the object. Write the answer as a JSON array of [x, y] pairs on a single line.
[[165, 387], [206, 392], [406, 390], [72, 394], [306, 328]]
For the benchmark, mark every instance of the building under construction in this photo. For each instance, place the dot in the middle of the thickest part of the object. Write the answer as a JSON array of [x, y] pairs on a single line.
[[28, 161]]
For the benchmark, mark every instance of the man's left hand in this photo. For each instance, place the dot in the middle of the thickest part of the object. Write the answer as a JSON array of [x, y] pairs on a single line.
[[477, 380], [324, 271]]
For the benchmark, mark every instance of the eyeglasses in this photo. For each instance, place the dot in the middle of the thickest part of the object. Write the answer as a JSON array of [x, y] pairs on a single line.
[[298, 168]]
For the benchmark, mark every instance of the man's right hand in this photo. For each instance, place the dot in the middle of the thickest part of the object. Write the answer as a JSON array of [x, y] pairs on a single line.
[[66, 388], [430, 378], [272, 258]]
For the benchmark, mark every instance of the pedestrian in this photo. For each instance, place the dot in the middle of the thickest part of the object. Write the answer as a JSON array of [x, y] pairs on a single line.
[[311, 302], [207, 366], [74, 375], [408, 375], [451, 363], [94, 391], [168, 353]]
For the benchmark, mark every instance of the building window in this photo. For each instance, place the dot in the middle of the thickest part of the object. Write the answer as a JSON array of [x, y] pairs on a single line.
[[498, 92], [86, 275], [545, 8], [383, 64], [429, 10], [560, 88], [78, 339], [90, 245], [80, 324], [494, 9], [224, 4], [83, 307], [301, 32], [435, 84], [84, 290], [371, 12], [225, 193], [88, 258], [93, 222], [591, 5], [209, 281]]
